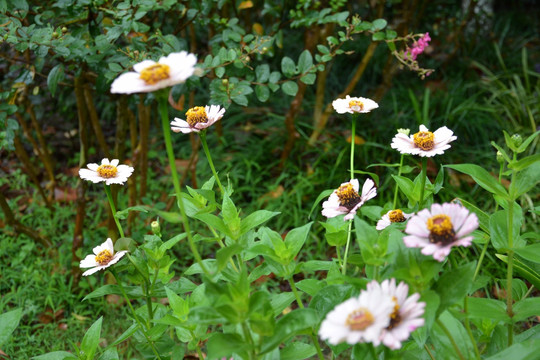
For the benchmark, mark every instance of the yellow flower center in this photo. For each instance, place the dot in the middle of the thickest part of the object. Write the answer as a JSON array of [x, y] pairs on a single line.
[[348, 197], [395, 318], [441, 230], [396, 216], [356, 105], [104, 257], [107, 171], [196, 115], [155, 73], [359, 319], [425, 140]]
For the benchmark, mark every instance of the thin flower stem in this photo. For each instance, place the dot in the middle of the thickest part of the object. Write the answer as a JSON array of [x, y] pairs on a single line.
[[162, 98], [301, 306], [422, 182], [349, 232], [249, 339], [429, 352], [146, 289], [451, 338], [399, 174], [353, 137], [202, 135], [468, 327], [480, 260], [510, 269], [338, 253], [199, 352], [113, 209], [123, 291]]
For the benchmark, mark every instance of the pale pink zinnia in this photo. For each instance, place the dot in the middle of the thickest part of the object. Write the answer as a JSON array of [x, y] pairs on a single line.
[[407, 314], [197, 119], [393, 216], [354, 105], [438, 229], [346, 199], [424, 142]]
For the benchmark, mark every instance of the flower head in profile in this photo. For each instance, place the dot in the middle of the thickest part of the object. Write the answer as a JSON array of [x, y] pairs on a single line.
[[418, 47], [103, 257], [110, 172], [354, 105], [346, 199], [424, 142], [393, 216], [407, 314], [197, 119], [438, 229], [150, 76], [359, 319]]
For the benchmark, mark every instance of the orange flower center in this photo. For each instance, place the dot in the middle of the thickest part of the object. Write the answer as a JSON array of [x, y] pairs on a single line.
[[104, 257], [196, 115], [359, 319], [356, 105], [155, 73], [395, 318], [396, 216], [348, 197], [107, 171], [425, 140], [441, 230]]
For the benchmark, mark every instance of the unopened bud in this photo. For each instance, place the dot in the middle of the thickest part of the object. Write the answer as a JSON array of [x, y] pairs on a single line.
[[517, 140], [225, 82], [404, 131], [64, 29], [500, 157], [156, 229]]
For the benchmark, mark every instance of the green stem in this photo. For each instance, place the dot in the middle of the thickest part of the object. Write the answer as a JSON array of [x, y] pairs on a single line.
[[423, 182], [345, 256], [449, 336], [123, 291], [468, 327], [162, 98], [480, 260], [338, 253], [146, 290], [301, 306], [202, 135], [510, 269], [399, 174], [113, 210], [429, 352], [353, 136], [249, 339]]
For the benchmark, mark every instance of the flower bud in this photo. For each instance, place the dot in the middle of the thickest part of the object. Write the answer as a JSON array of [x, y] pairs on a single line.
[[225, 82], [404, 131], [500, 157], [156, 229], [64, 29], [517, 140]]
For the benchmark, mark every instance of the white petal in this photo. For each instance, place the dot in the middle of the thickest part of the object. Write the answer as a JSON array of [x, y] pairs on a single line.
[[92, 166], [114, 162], [93, 270], [90, 175], [88, 261], [143, 65]]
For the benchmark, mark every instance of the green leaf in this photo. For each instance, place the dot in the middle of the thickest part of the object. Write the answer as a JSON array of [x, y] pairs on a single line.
[[525, 180], [215, 222], [526, 308], [322, 195], [308, 79], [295, 239], [224, 345], [498, 229], [530, 252], [10, 321], [230, 216], [501, 150], [329, 297], [290, 88], [262, 92], [406, 186], [525, 350], [123, 213], [220, 71], [454, 285], [179, 306], [378, 36], [390, 35], [262, 73], [274, 77], [527, 141], [379, 24], [305, 62], [297, 351], [55, 355], [109, 354], [132, 291], [524, 163], [255, 219], [224, 254], [482, 178], [526, 271], [288, 326], [55, 76], [483, 308], [288, 68], [90, 340]]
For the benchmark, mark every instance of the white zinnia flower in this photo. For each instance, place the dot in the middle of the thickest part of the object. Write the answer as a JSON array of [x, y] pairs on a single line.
[[424, 142], [354, 105], [197, 119], [407, 314], [347, 200], [104, 256], [392, 216], [359, 319], [438, 229], [150, 75], [110, 172]]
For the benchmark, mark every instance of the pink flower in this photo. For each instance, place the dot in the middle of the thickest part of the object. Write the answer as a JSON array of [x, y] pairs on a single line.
[[418, 47], [347, 200]]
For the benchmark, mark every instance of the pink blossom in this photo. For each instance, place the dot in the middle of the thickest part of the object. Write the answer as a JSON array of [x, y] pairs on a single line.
[[418, 47]]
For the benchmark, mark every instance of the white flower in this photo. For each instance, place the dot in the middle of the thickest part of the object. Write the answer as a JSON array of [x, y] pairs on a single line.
[[359, 319], [392, 216], [110, 172], [354, 105], [197, 119], [104, 256], [150, 76], [438, 229], [407, 314], [424, 142], [347, 200]]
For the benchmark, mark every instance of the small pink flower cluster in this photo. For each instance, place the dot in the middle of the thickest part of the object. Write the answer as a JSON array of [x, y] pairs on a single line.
[[418, 47]]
